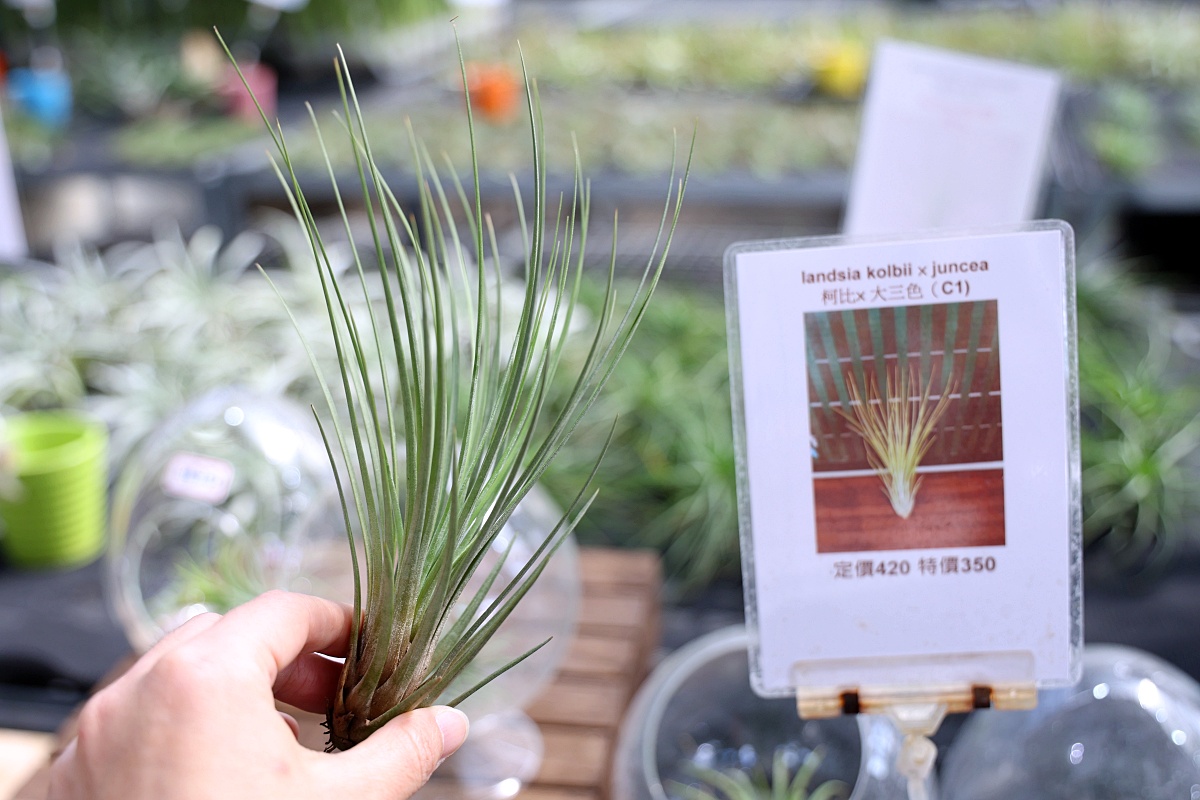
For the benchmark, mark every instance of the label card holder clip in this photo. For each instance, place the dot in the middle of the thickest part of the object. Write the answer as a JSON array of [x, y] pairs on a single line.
[[917, 711]]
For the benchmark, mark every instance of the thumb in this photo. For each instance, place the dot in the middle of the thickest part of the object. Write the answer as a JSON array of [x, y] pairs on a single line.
[[398, 758]]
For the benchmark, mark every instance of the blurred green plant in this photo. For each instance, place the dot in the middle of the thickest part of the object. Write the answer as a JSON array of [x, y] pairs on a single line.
[[1140, 423], [178, 141], [667, 481], [232, 573], [624, 132], [1126, 131], [747, 118], [163, 18], [739, 784], [115, 333], [1090, 42], [130, 75]]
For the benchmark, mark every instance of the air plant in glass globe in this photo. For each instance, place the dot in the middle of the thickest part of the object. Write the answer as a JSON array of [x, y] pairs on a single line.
[[783, 784], [432, 462]]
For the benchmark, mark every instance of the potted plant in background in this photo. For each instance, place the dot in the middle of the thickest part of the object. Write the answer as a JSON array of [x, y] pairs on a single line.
[[53, 488], [1141, 424]]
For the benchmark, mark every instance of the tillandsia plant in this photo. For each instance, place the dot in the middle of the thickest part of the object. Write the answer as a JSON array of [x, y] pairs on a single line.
[[737, 784], [897, 430], [1140, 426], [438, 454]]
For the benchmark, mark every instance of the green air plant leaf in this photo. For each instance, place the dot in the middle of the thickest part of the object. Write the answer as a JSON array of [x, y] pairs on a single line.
[[737, 784], [897, 430], [432, 461]]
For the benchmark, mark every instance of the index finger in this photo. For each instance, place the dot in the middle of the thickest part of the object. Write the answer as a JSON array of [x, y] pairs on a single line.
[[274, 629]]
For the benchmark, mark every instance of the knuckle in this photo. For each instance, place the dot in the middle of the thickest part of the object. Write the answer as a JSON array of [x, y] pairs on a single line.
[[173, 669], [206, 619], [94, 717], [197, 623], [182, 669], [274, 596]]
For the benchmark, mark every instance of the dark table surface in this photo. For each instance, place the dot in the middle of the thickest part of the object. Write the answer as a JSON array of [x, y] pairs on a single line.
[[57, 638]]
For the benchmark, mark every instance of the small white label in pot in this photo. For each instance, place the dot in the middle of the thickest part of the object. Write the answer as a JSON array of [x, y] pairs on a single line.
[[196, 477]]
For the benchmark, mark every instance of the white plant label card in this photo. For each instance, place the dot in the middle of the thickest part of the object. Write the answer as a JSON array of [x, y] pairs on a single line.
[[949, 140], [907, 437]]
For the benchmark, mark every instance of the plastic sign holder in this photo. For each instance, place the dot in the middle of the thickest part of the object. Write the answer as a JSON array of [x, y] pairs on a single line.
[[907, 438]]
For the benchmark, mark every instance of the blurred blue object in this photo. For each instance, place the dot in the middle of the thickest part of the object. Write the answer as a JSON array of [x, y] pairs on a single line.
[[1129, 729], [43, 94]]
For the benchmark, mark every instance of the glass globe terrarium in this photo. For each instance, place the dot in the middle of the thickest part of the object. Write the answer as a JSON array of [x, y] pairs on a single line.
[[234, 495], [1130, 729], [230, 497], [697, 731]]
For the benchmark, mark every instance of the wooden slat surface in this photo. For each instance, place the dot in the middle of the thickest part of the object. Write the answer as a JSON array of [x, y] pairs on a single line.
[[572, 701], [618, 632], [575, 758], [604, 657], [580, 711]]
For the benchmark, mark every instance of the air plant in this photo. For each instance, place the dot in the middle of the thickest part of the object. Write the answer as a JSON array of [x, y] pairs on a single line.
[[1140, 430], [437, 459], [737, 784], [897, 430], [234, 573]]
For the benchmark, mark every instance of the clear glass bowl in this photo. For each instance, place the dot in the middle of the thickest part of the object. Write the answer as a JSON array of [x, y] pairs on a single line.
[[234, 495], [231, 496], [1130, 729], [696, 713]]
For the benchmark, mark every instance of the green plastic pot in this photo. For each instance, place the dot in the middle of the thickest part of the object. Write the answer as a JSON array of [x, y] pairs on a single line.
[[56, 518]]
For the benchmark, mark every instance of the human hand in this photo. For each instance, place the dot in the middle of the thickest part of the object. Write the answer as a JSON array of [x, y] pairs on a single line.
[[195, 717]]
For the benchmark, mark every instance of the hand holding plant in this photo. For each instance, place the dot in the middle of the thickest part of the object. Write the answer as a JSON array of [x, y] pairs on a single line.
[[195, 717]]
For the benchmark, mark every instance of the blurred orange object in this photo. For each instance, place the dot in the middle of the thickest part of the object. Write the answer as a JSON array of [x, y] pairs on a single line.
[[494, 90]]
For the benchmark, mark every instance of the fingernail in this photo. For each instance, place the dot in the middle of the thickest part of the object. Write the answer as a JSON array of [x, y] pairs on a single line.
[[454, 726]]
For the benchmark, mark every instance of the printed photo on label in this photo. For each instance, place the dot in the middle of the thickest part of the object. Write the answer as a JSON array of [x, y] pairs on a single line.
[[907, 437]]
